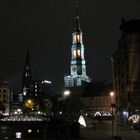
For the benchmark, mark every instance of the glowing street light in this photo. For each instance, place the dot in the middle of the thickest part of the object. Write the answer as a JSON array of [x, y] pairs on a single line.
[[66, 93], [29, 103], [111, 93]]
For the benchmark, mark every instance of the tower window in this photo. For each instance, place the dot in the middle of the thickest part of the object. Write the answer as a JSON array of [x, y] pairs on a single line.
[[26, 74], [82, 53], [78, 38], [74, 38], [74, 53], [78, 53]]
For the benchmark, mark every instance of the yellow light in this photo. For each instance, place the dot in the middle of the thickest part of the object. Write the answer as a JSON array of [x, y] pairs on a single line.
[[67, 92], [112, 93], [78, 52], [29, 130], [29, 101], [78, 37]]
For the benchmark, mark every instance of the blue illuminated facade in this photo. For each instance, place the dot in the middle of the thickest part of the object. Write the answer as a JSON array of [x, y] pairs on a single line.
[[78, 74]]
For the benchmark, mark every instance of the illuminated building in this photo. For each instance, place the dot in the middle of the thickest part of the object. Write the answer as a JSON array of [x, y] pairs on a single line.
[[5, 98], [78, 74], [126, 68]]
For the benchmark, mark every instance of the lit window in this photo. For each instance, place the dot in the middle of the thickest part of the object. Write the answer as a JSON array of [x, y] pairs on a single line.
[[78, 38], [74, 38], [18, 135], [74, 53], [82, 52], [26, 74], [78, 52], [29, 130]]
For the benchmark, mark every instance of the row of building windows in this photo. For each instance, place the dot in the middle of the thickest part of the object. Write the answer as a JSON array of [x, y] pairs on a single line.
[[3, 90], [3, 96]]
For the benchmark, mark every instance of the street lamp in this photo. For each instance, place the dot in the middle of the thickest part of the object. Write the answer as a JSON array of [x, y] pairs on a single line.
[[112, 95], [29, 103], [66, 93]]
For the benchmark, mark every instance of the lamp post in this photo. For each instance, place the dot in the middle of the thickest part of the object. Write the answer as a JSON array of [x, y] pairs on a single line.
[[112, 95]]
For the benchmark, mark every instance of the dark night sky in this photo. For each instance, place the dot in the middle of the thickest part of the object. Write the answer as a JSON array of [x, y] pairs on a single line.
[[45, 27]]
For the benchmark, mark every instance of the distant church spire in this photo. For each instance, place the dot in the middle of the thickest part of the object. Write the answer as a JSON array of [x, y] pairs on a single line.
[[27, 57], [27, 76]]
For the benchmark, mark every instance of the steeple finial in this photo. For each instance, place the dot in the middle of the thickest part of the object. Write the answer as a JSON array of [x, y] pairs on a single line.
[[77, 6], [77, 28], [27, 56]]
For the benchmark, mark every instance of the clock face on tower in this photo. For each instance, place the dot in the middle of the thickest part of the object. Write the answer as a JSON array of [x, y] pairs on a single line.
[[74, 69], [79, 70]]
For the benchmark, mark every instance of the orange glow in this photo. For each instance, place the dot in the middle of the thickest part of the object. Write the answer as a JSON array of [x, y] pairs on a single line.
[[78, 37], [78, 52], [29, 103], [111, 93]]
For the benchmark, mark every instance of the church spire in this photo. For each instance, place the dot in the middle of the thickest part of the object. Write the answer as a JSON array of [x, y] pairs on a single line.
[[27, 57], [78, 63], [77, 19], [27, 76]]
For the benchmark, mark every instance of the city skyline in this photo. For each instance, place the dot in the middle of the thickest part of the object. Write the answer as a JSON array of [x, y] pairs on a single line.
[[46, 29]]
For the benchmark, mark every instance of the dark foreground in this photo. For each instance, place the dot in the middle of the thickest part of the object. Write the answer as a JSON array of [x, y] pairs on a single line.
[[68, 131]]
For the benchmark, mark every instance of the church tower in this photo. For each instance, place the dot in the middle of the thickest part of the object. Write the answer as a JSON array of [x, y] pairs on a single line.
[[78, 74], [27, 77]]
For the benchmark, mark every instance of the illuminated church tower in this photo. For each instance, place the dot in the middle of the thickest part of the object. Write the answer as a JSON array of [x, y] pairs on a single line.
[[78, 74], [27, 77]]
